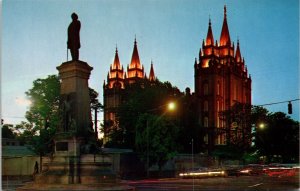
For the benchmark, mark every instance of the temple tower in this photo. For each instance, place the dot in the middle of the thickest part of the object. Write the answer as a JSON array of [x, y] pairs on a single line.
[[221, 80], [118, 83]]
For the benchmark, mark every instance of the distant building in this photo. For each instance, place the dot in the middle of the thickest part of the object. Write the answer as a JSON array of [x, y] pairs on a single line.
[[115, 87], [221, 80], [10, 142]]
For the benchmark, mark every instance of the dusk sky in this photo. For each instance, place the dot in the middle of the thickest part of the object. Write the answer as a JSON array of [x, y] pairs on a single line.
[[168, 32]]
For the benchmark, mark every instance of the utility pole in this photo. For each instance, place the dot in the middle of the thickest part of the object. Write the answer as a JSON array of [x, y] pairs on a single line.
[[193, 163], [96, 126], [147, 129]]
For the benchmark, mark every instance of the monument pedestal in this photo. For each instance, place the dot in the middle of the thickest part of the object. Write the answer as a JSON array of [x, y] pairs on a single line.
[[72, 166]]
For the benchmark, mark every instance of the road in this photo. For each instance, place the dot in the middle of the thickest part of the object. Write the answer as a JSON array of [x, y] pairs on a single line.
[[246, 183], [242, 183]]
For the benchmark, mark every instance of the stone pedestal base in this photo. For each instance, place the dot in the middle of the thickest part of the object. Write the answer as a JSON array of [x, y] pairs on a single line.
[[86, 172], [84, 169], [81, 187]]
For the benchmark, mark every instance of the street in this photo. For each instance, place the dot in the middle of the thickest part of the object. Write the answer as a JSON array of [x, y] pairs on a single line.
[[247, 183], [241, 183]]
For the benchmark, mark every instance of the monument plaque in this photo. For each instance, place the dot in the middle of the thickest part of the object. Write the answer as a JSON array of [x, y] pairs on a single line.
[[61, 146]]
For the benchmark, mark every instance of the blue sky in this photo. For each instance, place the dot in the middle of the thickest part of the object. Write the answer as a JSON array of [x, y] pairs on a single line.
[[169, 32]]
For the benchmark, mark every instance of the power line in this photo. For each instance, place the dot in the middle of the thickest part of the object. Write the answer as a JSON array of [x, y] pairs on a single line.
[[279, 102], [13, 117]]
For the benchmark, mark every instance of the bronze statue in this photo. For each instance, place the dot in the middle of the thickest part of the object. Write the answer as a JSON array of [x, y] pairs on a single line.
[[73, 37]]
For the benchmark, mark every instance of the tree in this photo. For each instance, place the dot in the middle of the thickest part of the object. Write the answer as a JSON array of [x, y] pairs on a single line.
[[156, 139], [7, 131], [189, 125], [238, 132], [44, 96], [279, 139], [96, 106], [139, 98], [25, 133], [43, 114]]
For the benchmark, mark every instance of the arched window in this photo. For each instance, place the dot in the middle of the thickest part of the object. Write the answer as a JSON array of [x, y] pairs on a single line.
[[218, 88], [205, 106], [218, 122], [205, 88], [205, 123]]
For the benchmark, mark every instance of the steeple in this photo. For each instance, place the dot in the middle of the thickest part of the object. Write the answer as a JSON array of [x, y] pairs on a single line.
[[116, 64], [135, 59], [225, 37], [116, 72], [135, 68], [238, 57], [151, 74], [209, 37]]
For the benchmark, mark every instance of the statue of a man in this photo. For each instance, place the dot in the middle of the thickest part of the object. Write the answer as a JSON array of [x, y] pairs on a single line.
[[73, 37]]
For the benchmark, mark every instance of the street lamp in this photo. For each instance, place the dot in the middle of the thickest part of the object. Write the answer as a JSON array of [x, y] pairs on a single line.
[[170, 107], [261, 126]]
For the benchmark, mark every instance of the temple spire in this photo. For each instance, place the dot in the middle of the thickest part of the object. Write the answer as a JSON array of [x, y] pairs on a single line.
[[116, 64], [209, 37], [151, 74], [116, 72], [135, 68], [135, 59], [225, 37], [238, 57]]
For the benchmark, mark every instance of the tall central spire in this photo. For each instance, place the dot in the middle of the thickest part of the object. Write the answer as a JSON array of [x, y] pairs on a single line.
[[135, 68], [135, 59], [225, 37]]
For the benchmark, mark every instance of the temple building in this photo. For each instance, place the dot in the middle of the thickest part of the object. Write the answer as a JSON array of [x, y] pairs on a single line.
[[221, 80], [115, 87]]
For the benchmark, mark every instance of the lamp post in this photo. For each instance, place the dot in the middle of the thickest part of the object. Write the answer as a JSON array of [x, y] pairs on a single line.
[[147, 129], [171, 106], [193, 163]]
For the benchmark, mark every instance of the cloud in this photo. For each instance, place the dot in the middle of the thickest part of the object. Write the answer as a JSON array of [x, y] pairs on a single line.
[[22, 101]]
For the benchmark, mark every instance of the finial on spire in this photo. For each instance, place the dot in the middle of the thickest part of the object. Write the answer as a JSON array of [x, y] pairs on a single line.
[[116, 48], [225, 11], [135, 39], [209, 21]]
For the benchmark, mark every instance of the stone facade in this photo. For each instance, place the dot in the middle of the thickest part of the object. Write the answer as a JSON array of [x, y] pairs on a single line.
[[221, 80]]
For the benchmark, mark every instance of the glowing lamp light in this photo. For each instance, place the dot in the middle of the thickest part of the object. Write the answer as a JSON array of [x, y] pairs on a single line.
[[171, 106], [261, 126]]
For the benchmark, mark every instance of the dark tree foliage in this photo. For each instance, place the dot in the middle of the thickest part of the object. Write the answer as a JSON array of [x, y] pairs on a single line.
[[238, 132], [44, 95], [7, 131], [156, 139], [95, 104], [43, 114], [141, 98], [279, 139], [189, 125]]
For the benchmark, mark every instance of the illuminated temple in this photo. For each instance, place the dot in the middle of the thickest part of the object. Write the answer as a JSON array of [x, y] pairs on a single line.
[[117, 81], [221, 80]]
